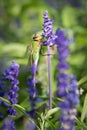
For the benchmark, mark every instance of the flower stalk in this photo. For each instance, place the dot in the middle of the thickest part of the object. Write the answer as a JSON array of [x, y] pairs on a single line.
[[49, 77], [48, 40], [67, 85], [11, 74]]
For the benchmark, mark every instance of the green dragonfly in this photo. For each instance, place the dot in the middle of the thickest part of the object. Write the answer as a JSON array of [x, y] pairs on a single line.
[[34, 49]]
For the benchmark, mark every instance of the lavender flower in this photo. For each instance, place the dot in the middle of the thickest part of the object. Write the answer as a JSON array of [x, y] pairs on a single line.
[[8, 125], [11, 74], [48, 30], [62, 48], [67, 85], [71, 99], [30, 126], [31, 81], [48, 40]]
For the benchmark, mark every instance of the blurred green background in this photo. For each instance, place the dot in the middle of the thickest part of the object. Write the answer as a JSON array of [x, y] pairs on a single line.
[[20, 19]]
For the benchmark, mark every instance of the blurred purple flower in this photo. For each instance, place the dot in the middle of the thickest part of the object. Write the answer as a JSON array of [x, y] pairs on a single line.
[[31, 81], [67, 84], [11, 74], [8, 125], [48, 30], [30, 126]]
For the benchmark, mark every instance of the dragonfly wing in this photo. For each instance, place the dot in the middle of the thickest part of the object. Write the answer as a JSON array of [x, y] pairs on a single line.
[[30, 60]]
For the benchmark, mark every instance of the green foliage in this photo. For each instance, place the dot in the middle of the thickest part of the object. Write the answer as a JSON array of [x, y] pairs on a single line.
[[5, 100], [84, 109], [51, 112]]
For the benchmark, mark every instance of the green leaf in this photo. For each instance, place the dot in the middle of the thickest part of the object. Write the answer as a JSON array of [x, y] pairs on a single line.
[[82, 80], [84, 109], [17, 106], [25, 103], [51, 124], [21, 111], [59, 99], [20, 107], [5, 100], [80, 125], [52, 111]]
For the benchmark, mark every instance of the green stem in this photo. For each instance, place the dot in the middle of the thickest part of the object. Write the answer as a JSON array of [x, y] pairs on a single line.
[[49, 78]]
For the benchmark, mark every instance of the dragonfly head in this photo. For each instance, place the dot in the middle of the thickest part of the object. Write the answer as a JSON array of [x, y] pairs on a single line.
[[37, 37]]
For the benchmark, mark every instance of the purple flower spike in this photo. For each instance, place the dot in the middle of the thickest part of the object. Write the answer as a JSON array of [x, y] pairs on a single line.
[[67, 85], [12, 111], [61, 39], [8, 125], [30, 126], [33, 69], [11, 74], [48, 30], [31, 81]]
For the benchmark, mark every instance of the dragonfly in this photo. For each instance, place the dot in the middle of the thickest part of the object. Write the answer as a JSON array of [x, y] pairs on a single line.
[[34, 49]]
